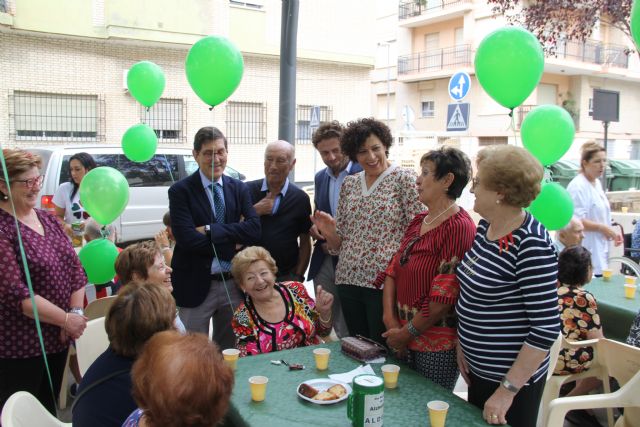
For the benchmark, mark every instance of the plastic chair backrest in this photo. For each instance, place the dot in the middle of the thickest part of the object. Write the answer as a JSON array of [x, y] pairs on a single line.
[[93, 342], [99, 307], [22, 409]]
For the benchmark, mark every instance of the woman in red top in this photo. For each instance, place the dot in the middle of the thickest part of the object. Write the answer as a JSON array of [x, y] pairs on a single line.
[[420, 289]]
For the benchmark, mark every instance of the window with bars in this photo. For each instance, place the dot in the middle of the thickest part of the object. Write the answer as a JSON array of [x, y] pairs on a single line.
[[428, 108], [246, 123], [166, 118], [49, 116], [4, 7], [304, 131], [492, 140]]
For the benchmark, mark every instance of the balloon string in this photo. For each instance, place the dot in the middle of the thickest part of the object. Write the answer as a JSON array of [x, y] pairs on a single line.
[[27, 274]]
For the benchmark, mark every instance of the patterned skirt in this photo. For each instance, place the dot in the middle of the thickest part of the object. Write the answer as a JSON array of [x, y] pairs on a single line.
[[440, 367]]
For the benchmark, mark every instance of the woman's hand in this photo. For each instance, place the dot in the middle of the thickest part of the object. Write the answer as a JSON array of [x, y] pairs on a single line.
[[391, 321], [162, 239], [496, 407], [75, 325], [324, 301], [463, 367], [610, 233], [397, 338], [68, 229], [325, 223]]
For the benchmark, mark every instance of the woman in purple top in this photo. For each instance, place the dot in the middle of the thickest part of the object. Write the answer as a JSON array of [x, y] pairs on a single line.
[[57, 278]]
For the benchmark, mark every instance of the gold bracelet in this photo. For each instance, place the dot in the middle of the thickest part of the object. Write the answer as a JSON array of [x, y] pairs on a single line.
[[66, 318], [323, 320]]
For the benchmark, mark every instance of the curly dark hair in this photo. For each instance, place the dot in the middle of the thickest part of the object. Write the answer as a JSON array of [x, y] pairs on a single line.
[[447, 159], [357, 133], [329, 130], [574, 266]]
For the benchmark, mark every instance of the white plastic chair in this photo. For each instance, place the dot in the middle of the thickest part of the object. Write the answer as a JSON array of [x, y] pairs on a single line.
[[22, 409], [95, 309], [553, 358], [617, 360], [93, 342]]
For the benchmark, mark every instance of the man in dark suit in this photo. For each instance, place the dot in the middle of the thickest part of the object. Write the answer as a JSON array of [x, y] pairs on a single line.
[[211, 213], [284, 211], [326, 139]]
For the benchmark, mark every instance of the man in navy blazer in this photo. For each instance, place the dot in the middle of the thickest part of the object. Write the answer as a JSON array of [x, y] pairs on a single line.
[[326, 139], [211, 214]]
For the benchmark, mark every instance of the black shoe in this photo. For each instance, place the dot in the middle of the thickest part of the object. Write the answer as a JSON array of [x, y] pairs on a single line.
[[73, 390]]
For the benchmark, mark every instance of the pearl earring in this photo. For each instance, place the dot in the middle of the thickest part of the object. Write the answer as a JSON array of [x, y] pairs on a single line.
[[498, 202]]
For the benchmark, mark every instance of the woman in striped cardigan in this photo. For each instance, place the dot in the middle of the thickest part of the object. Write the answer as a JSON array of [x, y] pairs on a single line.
[[508, 306]]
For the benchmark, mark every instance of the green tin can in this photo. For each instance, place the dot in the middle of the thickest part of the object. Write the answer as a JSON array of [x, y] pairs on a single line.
[[366, 402]]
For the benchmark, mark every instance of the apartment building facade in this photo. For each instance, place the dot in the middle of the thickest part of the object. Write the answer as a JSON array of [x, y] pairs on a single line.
[[422, 43], [64, 70]]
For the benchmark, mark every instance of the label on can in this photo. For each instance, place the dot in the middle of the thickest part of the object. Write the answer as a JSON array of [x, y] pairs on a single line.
[[373, 406]]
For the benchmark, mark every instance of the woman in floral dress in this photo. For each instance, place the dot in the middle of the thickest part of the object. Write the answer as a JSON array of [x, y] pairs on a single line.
[[275, 316]]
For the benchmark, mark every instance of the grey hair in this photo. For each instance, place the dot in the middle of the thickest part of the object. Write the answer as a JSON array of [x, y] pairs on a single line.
[[93, 230], [567, 227]]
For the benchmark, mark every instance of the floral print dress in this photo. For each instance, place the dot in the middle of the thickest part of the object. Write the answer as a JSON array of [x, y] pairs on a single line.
[[579, 315], [300, 327]]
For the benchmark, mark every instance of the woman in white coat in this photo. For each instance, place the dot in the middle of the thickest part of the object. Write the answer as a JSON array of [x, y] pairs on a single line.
[[592, 207]]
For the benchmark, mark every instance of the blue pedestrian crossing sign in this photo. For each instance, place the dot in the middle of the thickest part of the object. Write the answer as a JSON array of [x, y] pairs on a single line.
[[459, 85], [314, 120], [457, 117]]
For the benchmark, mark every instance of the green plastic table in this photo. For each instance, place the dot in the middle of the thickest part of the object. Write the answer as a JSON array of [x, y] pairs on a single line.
[[616, 312], [405, 406]]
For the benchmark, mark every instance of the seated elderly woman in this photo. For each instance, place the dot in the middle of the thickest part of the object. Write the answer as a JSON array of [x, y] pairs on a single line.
[[180, 381], [578, 313], [104, 396], [144, 262], [275, 316]]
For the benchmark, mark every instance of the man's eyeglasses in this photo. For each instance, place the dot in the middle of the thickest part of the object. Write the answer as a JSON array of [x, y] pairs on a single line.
[[31, 182]]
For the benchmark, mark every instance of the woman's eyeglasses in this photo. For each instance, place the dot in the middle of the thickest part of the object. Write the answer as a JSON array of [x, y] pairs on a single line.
[[31, 182]]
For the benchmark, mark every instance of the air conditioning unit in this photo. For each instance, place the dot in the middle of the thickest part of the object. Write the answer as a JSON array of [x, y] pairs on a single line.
[[124, 80]]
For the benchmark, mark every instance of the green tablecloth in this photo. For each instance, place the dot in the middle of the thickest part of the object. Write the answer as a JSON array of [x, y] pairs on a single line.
[[616, 312], [405, 406]]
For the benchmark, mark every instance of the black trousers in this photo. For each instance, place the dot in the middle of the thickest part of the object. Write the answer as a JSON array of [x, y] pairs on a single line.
[[30, 375], [362, 310], [524, 409]]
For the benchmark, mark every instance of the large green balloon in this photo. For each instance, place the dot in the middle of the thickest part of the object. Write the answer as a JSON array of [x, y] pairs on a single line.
[[547, 132], [509, 64], [104, 193], [553, 207], [635, 23], [98, 257], [139, 143], [214, 69], [145, 81]]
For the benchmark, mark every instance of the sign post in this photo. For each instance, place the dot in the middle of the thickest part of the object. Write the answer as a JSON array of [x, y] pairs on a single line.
[[606, 108]]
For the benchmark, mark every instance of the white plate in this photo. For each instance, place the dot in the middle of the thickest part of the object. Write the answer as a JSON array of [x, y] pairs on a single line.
[[323, 384]]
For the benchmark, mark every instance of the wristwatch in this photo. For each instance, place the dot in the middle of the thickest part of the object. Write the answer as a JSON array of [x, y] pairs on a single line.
[[509, 386], [77, 310], [207, 230]]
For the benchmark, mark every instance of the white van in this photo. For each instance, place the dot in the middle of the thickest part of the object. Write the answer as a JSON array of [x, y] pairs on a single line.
[[149, 182]]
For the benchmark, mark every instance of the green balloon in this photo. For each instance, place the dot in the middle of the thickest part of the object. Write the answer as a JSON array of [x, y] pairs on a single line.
[[509, 63], [635, 23], [98, 257], [553, 207], [139, 143], [547, 132], [104, 193], [145, 81], [214, 68]]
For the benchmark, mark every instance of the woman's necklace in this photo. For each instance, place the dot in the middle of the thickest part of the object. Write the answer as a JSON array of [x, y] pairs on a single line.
[[437, 216]]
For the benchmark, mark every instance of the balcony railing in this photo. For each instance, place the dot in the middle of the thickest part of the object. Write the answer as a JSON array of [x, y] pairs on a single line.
[[593, 52], [411, 8], [522, 112], [435, 60]]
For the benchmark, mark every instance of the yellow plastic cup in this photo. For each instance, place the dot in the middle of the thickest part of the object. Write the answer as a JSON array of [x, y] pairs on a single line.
[[437, 412], [322, 358], [630, 291], [390, 374], [624, 209], [606, 274], [231, 356], [258, 386], [629, 280]]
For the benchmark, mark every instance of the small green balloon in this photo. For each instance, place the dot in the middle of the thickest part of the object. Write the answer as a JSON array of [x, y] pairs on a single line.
[[509, 63], [547, 132], [139, 143], [214, 68], [635, 23], [98, 257], [553, 207], [104, 193], [145, 81]]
